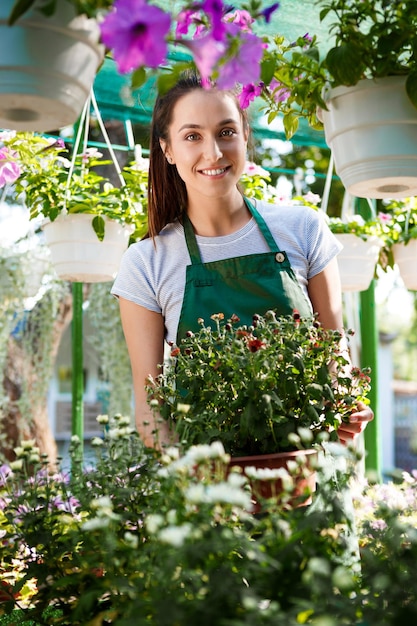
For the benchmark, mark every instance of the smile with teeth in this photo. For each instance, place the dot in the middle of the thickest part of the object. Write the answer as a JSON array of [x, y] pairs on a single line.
[[215, 172]]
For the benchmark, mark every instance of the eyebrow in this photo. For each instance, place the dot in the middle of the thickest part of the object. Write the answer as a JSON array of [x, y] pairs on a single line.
[[196, 126]]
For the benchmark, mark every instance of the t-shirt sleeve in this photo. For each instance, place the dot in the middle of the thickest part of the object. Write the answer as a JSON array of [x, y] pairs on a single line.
[[134, 279]]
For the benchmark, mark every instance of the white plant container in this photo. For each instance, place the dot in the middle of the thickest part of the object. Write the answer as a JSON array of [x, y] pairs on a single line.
[[357, 261], [77, 254], [47, 67], [371, 129]]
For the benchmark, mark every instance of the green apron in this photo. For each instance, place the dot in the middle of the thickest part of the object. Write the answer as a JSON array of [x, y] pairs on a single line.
[[242, 285]]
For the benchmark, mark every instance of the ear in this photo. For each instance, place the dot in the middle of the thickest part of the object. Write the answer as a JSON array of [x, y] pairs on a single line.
[[164, 148]]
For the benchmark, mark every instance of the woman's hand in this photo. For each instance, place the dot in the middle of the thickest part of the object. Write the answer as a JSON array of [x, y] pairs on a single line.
[[357, 423]]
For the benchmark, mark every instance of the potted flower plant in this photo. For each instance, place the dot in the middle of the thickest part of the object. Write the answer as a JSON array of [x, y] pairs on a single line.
[[401, 217], [74, 198], [367, 81], [279, 386], [363, 240]]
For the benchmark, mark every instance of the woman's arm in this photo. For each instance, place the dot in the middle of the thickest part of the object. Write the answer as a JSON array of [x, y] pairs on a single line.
[[144, 334], [326, 297]]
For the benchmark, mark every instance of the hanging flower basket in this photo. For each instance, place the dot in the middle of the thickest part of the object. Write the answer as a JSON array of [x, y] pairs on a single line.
[[357, 261], [405, 256], [371, 129], [47, 67], [76, 252]]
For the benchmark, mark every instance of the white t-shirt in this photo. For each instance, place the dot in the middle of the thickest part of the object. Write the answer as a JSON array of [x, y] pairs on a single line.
[[152, 273]]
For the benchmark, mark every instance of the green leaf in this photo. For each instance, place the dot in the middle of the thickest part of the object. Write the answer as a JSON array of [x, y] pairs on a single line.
[[267, 70], [345, 64], [20, 7], [411, 87], [99, 227], [139, 77]]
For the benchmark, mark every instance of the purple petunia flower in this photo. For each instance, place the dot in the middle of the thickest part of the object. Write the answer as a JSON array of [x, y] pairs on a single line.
[[206, 52], [9, 169], [280, 92], [268, 12], [214, 9], [136, 32], [245, 66], [184, 20], [249, 93]]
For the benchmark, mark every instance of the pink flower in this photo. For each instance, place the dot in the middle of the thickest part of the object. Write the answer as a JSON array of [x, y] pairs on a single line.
[[242, 18], [9, 169], [280, 92], [249, 93], [136, 32], [206, 52], [384, 218], [252, 169], [184, 20]]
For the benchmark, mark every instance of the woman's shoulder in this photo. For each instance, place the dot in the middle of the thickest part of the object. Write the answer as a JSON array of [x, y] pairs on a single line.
[[290, 213], [169, 234]]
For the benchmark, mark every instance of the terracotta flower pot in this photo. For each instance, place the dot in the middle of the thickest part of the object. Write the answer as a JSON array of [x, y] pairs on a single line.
[[304, 479]]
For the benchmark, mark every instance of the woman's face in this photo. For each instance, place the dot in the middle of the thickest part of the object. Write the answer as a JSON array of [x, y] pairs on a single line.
[[207, 142]]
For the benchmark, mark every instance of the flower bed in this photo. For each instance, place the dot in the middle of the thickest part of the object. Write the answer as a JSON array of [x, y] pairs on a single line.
[[143, 538]]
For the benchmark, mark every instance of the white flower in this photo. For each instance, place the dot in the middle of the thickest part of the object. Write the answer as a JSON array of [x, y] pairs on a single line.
[[95, 523], [154, 522], [175, 535], [104, 504], [196, 494], [97, 442], [131, 540], [16, 465], [102, 419], [29, 444]]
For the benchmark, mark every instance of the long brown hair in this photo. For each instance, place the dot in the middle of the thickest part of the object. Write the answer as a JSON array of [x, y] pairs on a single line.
[[167, 194]]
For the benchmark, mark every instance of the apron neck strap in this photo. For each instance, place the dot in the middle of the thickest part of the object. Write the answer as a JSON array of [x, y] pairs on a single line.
[[191, 240]]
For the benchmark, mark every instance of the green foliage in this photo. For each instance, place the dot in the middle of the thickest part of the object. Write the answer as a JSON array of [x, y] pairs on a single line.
[[372, 39], [49, 187], [401, 216], [144, 538], [280, 384]]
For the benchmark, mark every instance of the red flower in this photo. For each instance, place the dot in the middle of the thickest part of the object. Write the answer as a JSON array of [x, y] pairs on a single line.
[[255, 344]]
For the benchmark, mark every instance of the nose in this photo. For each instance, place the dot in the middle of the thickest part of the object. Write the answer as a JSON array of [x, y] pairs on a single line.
[[212, 150]]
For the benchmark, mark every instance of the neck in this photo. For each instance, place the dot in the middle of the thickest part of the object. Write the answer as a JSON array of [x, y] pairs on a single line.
[[214, 217]]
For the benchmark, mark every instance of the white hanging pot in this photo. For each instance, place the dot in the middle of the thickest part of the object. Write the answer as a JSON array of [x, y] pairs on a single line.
[[357, 261], [47, 67], [371, 129], [405, 256], [77, 254]]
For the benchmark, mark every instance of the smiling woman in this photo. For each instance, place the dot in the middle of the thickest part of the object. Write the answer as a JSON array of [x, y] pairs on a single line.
[[246, 257]]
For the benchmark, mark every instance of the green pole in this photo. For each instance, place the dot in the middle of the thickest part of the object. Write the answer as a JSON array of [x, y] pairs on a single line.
[[369, 358], [77, 363]]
